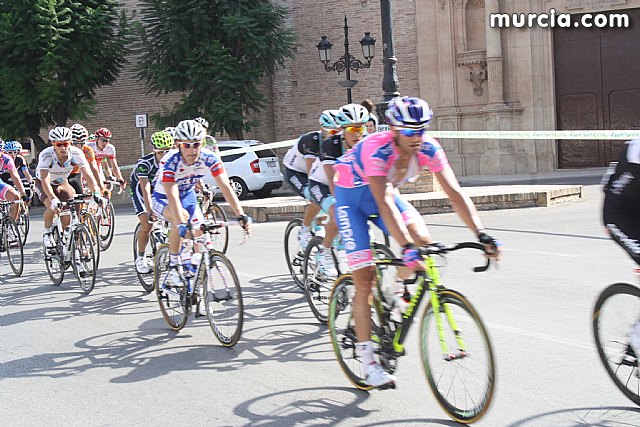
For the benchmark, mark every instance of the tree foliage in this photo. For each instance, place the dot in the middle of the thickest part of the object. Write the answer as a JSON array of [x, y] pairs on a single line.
[[214, 53], [55, 53]]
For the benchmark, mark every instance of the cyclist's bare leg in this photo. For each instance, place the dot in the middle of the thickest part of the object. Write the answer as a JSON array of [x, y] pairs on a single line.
[[145, 229], [330, 228], [12, 195], [310, 212], [363, 279]]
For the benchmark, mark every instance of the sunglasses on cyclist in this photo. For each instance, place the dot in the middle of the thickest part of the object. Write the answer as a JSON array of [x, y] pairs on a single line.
[[162, 151], [355, 129], [13, 153], [190, 144], [412, 132], [61, 144], [332, 131]]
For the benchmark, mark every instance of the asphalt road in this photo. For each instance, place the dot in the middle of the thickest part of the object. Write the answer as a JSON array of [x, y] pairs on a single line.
[[108, 359]]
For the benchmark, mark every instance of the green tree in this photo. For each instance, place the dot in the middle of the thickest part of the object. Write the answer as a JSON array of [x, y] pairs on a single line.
[[214, 53], [54, 54]]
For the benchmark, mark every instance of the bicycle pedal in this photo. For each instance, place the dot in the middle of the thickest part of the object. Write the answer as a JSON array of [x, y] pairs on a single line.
[[388, 386]]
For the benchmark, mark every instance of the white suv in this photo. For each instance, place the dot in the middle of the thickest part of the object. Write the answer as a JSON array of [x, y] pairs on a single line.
[[257, 172]]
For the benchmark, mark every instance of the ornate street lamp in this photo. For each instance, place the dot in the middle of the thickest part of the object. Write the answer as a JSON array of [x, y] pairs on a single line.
[[347, 62]]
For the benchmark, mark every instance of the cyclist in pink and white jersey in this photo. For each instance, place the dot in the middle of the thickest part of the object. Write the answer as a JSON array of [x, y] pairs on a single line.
[[365, 182], [7, 192], [105, 150]]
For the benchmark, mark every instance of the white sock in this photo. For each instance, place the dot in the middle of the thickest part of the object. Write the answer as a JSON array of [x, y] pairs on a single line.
[[46, 230], [304, 228], [365, 351]]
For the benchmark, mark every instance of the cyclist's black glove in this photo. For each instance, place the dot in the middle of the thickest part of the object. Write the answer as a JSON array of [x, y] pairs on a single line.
[[26, 198], [244, 221], [485, 239]]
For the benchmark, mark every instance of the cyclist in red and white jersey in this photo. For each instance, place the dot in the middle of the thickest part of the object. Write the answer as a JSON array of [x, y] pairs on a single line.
[[104, 150]]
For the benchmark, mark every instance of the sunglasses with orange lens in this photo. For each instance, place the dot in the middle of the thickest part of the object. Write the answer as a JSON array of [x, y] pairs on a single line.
[[61, 144], [355, 129], [190, 144]]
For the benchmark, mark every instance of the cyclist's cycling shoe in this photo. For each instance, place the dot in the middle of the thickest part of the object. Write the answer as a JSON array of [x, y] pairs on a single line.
[[47, 238], [142, 266], [378, 377], [327, 265], [173, 278]]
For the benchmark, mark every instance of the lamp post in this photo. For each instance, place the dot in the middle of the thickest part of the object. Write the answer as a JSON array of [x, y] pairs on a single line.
[[390, 84], [347, 62]]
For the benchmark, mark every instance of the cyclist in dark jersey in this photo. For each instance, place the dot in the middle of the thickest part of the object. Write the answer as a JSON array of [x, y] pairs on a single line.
[[141, 185], [621, 209]]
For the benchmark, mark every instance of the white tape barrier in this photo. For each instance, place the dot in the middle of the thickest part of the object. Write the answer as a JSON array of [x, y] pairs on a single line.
[[465, 134]]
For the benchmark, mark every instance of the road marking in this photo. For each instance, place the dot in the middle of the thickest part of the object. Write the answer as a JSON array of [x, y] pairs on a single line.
[[542, 336]]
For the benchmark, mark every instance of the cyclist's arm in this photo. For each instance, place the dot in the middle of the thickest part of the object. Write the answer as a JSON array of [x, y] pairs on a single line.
[[45, 179], [145, 188], [27, 174], [309, 163], [15, 177], [173, 197], [229, 195], [93, 166], [461, 203], [88, 176], [328, 168], [384, 197], [116, 170]]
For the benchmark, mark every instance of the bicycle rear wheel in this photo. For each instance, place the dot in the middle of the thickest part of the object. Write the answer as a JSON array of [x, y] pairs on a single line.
[[106, 225], [293, 253], [13, 246], [170, 298], [462, 379], [220, 236], [223, 299], [318, 286], [616, 311], [53, 259], [343, 333], [146, 279], [83, 259]]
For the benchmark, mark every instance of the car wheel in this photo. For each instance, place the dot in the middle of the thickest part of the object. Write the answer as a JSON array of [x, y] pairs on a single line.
[[266, 192], [239, 187]]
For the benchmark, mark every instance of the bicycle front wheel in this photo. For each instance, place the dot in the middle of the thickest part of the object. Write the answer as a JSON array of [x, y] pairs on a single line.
[[83, 259], [90, 222], [171, 297], [54, 259], [106, 225], [13, 246], [220, 236], [24, 224], [616, 312], [458, 360], [318, 286], [146, 279], [223, 299], [294, 255]]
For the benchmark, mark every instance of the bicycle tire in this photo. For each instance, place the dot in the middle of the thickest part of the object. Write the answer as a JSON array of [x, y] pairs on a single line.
[[342, 332], [220, 236], [164, 294], [53, 259], [317, 286], [145, 279], [107, 224], [82, 254], [90, 222], [626, 365], [24, 224], [293, 254], [13, 247], [227, 299], [446, 394]]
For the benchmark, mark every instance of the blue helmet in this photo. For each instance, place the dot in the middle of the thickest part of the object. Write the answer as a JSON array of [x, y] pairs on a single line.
[[12, 146], [409, 112]]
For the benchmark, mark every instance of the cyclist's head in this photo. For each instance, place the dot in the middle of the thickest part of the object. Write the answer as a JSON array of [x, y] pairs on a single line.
[[352, 119], [60, 138], [409, 112], [329, 120], [162, 141], [103, 137], [190, 139], [171, 130], [203, 122], [372, 124], [79, 134], [12, 147], [91, 138]]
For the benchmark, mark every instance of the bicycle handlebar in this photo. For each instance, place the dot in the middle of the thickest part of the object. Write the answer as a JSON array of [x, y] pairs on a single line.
[[444, 248]]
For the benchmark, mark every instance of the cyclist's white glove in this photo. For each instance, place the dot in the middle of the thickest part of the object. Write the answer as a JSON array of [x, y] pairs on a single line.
[[55, 203]]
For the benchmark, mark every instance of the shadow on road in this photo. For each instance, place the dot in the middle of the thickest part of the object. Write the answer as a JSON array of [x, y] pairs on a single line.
[[588, 416]]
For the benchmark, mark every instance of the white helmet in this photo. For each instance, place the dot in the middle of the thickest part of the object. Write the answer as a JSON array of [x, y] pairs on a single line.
[[190, 130], [329, 119], [409, 112], [202, 121], [79, 133], [60, 133], [352, 113], [171, 131]]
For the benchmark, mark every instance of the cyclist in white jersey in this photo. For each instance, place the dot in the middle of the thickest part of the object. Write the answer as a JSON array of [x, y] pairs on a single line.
[[174, 197], [55, 164], [105, 150]]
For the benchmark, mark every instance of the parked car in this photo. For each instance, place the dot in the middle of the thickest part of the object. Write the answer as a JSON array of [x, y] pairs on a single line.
[[256, 172]]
